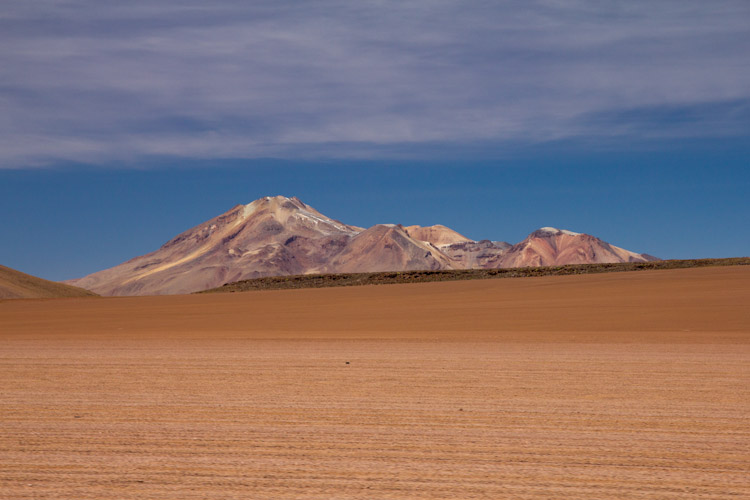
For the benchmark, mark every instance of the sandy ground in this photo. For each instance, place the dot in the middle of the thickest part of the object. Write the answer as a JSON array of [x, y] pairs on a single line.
[[628, 385]]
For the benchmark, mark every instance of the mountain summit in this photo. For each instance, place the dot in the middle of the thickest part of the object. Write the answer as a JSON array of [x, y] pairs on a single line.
[[550, 246], [276, 235]]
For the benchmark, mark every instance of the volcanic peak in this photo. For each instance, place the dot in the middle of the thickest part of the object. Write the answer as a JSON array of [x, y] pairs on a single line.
[[283, 210], [273, 204]]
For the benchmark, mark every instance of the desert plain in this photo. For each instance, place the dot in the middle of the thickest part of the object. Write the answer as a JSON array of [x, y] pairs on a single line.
[[626, 385]]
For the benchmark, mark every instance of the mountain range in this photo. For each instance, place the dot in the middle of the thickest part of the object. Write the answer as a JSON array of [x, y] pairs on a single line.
[[283, 236]]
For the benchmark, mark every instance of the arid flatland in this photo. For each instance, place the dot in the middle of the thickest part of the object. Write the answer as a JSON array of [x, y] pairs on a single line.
[[626, 385]]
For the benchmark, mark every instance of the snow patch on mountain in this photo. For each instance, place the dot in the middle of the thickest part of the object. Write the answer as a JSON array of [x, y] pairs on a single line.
[[554, 230]]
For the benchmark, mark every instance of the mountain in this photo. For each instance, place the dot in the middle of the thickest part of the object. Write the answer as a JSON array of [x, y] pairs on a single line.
[[483, 254], [387, 247], [436, 235], [275, 236], [270, 236], [17, 285], [550, 246]]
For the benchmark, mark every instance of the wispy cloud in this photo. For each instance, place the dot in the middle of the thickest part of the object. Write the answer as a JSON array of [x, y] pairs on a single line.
[[98, 81]]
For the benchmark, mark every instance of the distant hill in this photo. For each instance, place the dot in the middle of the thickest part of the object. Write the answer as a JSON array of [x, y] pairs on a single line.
[[17, 285], [280, 236], [550, 246]]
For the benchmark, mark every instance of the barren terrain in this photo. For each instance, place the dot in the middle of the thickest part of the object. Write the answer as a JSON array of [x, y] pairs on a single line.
[[621, 385], [17, 285]]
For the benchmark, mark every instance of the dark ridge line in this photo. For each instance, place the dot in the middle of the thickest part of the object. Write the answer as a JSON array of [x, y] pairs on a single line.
[[400, 277]]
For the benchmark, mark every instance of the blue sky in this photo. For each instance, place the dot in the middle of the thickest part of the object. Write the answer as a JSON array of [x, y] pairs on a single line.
[[123, 124]]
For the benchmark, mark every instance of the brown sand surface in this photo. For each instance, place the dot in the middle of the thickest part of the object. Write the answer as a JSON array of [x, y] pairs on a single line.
[[628, 385]]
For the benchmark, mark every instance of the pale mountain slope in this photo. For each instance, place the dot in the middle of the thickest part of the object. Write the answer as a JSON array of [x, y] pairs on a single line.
[[437, 235]]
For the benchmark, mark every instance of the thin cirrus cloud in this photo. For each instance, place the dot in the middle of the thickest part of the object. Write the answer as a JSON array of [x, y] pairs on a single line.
[[94, 81]]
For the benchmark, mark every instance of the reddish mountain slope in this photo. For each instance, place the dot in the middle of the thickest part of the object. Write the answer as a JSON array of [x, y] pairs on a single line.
[[549, 246]]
